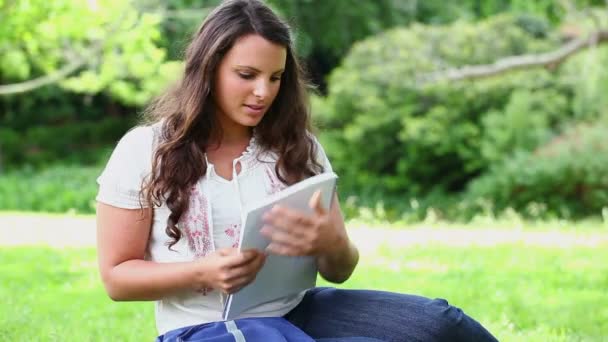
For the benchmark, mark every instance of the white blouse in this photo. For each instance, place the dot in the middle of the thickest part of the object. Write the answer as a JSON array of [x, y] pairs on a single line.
[[213, 219]]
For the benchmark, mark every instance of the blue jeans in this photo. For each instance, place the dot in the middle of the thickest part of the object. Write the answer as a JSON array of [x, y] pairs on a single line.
[[333, 315], [328, 314]]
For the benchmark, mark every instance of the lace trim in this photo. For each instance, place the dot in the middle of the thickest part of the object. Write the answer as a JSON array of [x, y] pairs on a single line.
[[248, 159], [195, 224], [275, 184]]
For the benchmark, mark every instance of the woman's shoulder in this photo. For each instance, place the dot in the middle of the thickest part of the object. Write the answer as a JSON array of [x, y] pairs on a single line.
[[135, 147], [139, 140], [140, 135], [321, 156], [131, 160]]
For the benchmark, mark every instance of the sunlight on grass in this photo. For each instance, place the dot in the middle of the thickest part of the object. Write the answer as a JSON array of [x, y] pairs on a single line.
[[518, 292], [525, 281], [56, 295]]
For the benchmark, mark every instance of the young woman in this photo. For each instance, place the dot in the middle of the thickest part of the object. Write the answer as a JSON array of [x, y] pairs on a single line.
[[235, 129]]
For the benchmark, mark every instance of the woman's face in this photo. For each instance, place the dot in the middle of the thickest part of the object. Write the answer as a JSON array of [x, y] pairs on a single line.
[[247, 82]]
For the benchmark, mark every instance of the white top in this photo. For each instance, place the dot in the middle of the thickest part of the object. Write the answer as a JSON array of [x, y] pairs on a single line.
[[212, 221]]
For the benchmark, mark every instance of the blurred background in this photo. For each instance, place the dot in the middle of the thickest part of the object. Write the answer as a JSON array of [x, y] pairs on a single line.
[[469, 137]]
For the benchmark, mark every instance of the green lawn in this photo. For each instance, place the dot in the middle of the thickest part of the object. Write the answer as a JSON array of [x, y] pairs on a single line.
[[519, 292]]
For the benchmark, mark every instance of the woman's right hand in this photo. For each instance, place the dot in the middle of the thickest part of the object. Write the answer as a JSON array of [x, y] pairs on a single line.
[[228, 269]]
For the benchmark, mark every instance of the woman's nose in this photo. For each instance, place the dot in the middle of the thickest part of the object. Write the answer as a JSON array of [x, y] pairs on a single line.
[[261, 89]]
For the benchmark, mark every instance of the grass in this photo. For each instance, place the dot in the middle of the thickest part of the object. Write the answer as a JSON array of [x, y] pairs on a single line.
[[520, 292], [56, 295]]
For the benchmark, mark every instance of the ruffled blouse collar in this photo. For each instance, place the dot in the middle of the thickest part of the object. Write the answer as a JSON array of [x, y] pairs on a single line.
[[247, 158]]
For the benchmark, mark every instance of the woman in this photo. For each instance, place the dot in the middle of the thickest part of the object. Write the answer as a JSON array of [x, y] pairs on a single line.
[[236, 129]]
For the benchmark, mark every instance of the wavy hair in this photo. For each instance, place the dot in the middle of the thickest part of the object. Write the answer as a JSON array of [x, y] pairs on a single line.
[[187, 111]]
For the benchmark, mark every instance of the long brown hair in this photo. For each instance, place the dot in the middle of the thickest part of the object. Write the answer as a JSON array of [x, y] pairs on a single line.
[[187, 111]]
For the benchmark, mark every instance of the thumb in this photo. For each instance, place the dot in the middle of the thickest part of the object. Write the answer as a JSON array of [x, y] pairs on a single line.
[[224, 251], [315, 203]]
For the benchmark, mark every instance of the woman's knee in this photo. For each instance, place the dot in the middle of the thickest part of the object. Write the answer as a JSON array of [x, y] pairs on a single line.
[[443, 316], [451, 324]]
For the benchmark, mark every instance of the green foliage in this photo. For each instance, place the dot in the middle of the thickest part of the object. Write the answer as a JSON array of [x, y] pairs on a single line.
[[393, 142], [387, 135], [527, 120], [441, 12], [326, 30], [177, 28], [123, 66], [586, 74], [118, 43], [56, 189], [49, 125], [567, 177], [331, 27], [80, 142]]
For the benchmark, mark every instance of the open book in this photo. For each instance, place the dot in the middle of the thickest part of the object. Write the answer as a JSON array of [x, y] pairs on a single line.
[[281, 276]]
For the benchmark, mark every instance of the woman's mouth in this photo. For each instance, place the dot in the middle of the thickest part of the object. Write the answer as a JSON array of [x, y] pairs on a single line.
[[255, 109]]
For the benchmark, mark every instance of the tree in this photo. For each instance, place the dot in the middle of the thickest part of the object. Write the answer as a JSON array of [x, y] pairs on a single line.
[[90, 47], [582, 29], [549, 60]]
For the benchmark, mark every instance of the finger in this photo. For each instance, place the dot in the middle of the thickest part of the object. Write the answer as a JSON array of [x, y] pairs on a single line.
[[226, 251], [257, 263], [237, 260], [316, 204], [251, 253], [239, 283], [250, 262], [282, 236], [289, 220], [232, 288], [241, 272], [281, 249], [234, 274]]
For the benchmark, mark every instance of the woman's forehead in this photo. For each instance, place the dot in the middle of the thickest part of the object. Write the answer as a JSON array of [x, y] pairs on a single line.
[[255, 52]]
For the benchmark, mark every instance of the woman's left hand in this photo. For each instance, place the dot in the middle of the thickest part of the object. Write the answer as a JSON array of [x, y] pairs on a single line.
[[295, 233]]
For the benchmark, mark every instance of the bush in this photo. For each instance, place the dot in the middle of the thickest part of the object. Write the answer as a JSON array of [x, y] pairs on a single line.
[[528, 119], [57, 189], [568, 177], [50, 125], [386, 135]]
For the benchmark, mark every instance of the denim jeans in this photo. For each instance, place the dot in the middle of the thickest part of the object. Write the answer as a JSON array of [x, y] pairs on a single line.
[[334, 315], [328, 314]]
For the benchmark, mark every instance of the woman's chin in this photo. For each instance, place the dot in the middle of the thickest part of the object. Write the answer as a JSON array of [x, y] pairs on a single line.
[[251, 120]]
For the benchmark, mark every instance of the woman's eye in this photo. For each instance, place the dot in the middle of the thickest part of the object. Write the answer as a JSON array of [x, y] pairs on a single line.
[[275, 79], [246, 76]]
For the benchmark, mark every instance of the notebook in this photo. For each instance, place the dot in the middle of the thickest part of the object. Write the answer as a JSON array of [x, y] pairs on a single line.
[[281, 276]]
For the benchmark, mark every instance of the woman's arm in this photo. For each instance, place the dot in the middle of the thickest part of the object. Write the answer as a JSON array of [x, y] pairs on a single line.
[[339, 262], [122, 237]]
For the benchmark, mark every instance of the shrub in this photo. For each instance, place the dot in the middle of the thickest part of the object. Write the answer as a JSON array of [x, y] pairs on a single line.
[[75, 142], [567, 177], [387, 135], [528, 119], [56, 189], [50, 125]]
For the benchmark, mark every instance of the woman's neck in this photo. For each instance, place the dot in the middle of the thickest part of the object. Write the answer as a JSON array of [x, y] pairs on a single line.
[[230, 137], [231, 133]]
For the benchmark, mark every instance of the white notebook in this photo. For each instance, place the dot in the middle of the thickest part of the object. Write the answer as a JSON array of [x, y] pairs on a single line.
[[281, 276]]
